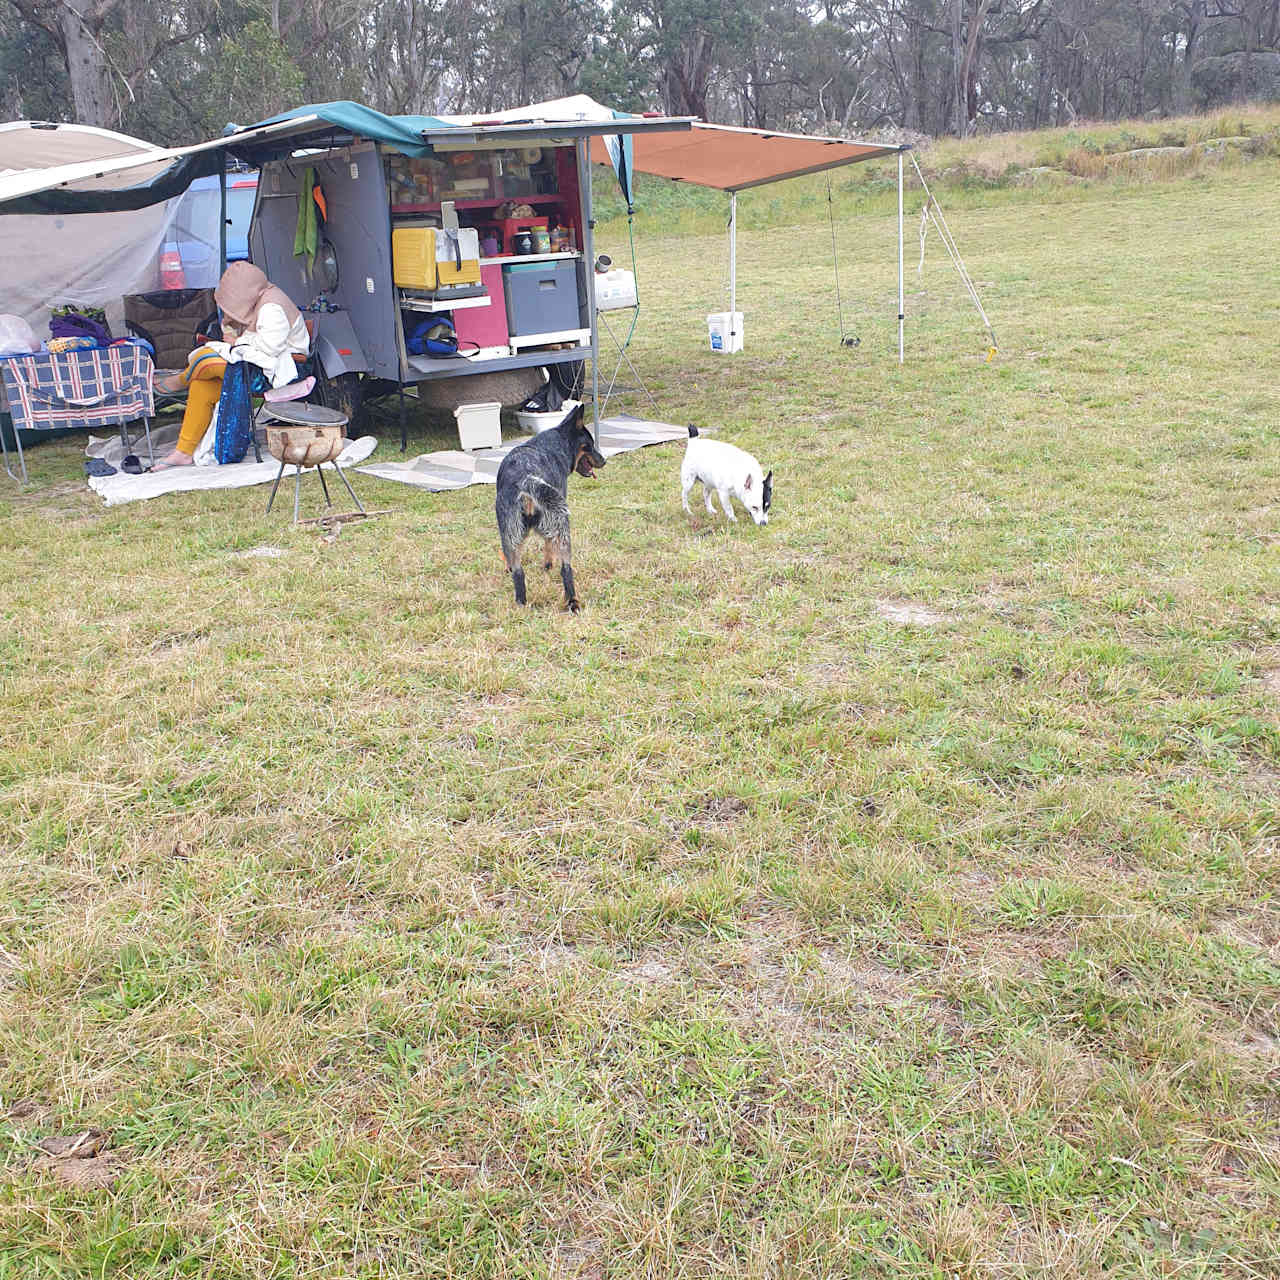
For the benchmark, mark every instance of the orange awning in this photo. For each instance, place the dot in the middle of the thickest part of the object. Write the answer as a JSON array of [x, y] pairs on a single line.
[[731, 159]]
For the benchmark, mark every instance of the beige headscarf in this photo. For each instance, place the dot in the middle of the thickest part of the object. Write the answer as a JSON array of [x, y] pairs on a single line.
[[243, 289]]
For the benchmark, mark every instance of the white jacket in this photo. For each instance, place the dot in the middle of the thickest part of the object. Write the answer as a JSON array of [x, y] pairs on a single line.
[[271, 346]]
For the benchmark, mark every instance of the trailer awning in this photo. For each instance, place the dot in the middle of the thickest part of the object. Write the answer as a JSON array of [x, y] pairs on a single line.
[[730, 159]]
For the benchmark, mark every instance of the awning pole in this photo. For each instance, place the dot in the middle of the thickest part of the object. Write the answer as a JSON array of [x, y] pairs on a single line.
[[589, 263], [222, 221], [901, 310], [733, 262]]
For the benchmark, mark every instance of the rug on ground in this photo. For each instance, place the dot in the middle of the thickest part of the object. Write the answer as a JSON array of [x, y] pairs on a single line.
[[453, 469]]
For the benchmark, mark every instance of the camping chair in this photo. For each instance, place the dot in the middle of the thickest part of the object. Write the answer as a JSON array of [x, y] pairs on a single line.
[[210, 329]]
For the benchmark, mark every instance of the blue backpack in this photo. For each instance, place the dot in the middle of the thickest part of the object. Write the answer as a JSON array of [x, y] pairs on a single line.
[[435, 336]]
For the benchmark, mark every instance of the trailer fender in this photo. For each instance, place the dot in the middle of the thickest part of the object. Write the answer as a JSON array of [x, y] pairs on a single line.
[[337, 347]]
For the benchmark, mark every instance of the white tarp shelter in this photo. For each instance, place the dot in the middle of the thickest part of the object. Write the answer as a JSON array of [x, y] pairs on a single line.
[[85, 258]]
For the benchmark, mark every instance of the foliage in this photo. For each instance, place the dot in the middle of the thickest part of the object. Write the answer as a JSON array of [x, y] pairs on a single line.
[[927, 66]]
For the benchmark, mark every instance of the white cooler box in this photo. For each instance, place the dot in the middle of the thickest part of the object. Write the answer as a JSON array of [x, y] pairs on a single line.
[[725, 331]]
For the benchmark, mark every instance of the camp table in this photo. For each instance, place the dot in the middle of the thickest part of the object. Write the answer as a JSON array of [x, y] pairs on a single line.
[[77, 390]]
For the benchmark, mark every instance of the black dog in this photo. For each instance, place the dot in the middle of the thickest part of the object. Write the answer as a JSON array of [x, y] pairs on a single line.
[[533, 483]]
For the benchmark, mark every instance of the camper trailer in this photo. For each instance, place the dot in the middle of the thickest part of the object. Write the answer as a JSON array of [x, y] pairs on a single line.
[[487, 227]]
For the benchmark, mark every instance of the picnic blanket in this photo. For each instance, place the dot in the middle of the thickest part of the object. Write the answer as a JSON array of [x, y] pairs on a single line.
[[123, 487], [97, 387]]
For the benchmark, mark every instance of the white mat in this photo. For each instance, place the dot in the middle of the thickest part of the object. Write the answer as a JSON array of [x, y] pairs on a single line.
[[453, 469], [123, 487]]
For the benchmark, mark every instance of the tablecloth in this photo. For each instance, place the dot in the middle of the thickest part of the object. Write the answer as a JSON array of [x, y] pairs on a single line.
[[96, 387]]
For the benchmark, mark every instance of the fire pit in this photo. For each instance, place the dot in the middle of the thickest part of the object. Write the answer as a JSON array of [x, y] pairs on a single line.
[[305, 435]]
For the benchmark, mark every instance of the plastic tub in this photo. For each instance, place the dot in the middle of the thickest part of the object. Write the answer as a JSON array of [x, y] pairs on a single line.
[[479, 425], [725, 331], [533, 423]]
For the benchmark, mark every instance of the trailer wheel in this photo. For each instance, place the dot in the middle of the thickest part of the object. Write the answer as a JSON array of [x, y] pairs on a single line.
[[343, 393]]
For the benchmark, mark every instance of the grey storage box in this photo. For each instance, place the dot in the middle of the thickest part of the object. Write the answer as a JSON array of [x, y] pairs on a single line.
[[542, 297]]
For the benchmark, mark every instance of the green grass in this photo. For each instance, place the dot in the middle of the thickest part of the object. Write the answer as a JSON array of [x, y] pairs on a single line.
[[734, 927]]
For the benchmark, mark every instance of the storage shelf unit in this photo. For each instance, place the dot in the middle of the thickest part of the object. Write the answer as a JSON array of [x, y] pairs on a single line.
[[490, 202], [519, 340], [412, 303], [506, 258]]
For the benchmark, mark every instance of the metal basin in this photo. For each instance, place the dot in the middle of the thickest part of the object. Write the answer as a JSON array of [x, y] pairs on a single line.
[[304, 446]]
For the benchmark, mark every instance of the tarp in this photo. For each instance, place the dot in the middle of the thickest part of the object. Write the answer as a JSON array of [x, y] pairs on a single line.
[[120, 182], [402, 132], [90, 258]]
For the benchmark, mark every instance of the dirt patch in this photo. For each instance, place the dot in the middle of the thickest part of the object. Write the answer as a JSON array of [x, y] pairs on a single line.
[[78, 1161], [906, 613], [555, 958], [719, 810], [1271, 680], [649, 972]]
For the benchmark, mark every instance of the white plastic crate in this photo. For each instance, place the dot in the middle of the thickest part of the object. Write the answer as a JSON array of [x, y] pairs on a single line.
[[479, 425]]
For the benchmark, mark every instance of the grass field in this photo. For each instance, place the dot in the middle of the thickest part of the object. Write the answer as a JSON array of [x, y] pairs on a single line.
[[887, 892]]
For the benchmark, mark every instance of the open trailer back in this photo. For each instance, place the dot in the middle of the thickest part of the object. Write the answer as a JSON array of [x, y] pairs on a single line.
[[519, 195]]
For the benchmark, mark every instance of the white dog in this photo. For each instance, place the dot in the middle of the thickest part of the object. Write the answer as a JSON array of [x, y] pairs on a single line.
[[729, 471]]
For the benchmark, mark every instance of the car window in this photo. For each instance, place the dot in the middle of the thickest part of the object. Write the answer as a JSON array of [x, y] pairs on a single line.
[[198, 213]]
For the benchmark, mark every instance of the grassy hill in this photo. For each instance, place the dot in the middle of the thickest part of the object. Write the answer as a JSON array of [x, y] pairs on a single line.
[[887, 892]]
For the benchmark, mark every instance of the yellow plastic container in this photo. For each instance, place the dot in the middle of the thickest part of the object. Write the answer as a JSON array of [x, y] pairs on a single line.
[[413, 257]]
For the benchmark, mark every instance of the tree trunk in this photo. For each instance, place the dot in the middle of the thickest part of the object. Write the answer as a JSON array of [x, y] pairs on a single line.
[[957, 64], [1182, 75], [86, 66]]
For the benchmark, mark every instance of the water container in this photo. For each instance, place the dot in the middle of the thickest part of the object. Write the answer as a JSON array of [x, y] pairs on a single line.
[[725, 331]]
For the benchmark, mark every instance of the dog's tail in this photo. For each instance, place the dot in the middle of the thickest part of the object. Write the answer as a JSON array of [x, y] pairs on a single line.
[[693, 431], [537, 495]]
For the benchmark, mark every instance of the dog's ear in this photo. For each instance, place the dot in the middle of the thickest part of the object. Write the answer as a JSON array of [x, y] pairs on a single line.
[[768, 491], [747, 485]]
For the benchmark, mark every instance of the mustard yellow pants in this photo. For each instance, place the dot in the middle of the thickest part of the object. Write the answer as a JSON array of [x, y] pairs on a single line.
[[203, 376]]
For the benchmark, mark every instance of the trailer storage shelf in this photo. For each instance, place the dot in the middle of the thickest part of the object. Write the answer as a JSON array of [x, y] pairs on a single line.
[[410, 303], [564, 335], [426, 368], [527, 257], [489, 202]]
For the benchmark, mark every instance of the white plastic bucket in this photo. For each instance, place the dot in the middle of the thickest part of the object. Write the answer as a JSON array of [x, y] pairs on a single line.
[[479, 425], [725, 331], [533, 423]]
